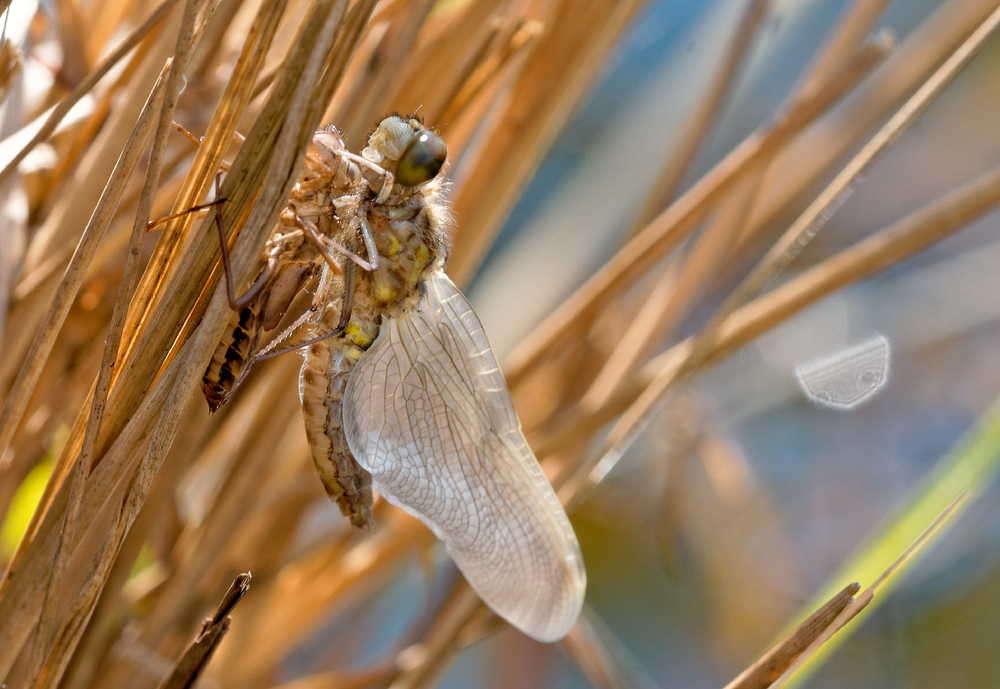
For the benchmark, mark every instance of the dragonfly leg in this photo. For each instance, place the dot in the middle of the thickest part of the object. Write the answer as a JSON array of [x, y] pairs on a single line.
[[313, 235], [313, 160], [153, 224], [351, 255], [347, 305], [371, 264], [368, 238], [345, 318], [387, 177], [364, 162], [237, 303]]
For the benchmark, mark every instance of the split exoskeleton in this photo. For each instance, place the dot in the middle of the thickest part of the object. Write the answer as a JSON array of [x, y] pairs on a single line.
[[291, 259]]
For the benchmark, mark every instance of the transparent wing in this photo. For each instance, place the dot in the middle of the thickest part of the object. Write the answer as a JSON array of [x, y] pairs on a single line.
[[428, 413]]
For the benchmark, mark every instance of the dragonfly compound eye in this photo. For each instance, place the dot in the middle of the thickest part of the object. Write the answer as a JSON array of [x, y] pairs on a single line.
[[422, 159]]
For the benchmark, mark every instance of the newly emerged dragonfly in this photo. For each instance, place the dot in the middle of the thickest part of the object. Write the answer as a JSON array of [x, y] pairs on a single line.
[[407, 395]]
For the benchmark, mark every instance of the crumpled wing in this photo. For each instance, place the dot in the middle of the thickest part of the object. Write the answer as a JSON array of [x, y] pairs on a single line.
[[427, 412]]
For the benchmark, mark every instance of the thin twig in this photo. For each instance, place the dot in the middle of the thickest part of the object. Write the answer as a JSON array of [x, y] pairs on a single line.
[[192, 663]]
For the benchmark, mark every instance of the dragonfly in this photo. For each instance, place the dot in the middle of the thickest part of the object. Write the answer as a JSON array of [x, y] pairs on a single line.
[[401, 391]]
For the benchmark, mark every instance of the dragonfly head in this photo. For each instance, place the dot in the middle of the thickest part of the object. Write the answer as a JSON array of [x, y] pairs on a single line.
[[422, 159], [418, 153]]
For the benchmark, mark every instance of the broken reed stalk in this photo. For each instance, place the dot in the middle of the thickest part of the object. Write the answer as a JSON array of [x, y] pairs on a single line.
[[196, 657], [856, 606], [782, 655]]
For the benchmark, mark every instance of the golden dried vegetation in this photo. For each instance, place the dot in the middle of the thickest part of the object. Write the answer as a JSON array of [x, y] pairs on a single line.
[[108, 328]]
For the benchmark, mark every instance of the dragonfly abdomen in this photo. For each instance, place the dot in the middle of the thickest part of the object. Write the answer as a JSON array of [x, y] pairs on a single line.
[[322, 382], [239, 341]]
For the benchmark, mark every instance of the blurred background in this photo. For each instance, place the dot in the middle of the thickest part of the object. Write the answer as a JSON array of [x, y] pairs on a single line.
[[743, 500]]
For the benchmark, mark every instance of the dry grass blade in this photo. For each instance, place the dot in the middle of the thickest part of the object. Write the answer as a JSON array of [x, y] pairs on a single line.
[[674, 294], [718, 240], [551, 82], [75, 273], [135, 494], [24, 586], [827, 203], [49, 249], [393, 51], [190, 666], [849, 37], [700, 118], [670, 228], [362, 679], [888, 247], [106, 625], [808, 158], [104, 558], [488, 72], [168, 97], [439, 65]]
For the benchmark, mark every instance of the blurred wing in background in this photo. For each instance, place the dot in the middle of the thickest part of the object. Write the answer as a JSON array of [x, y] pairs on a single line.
[[428, 413]]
